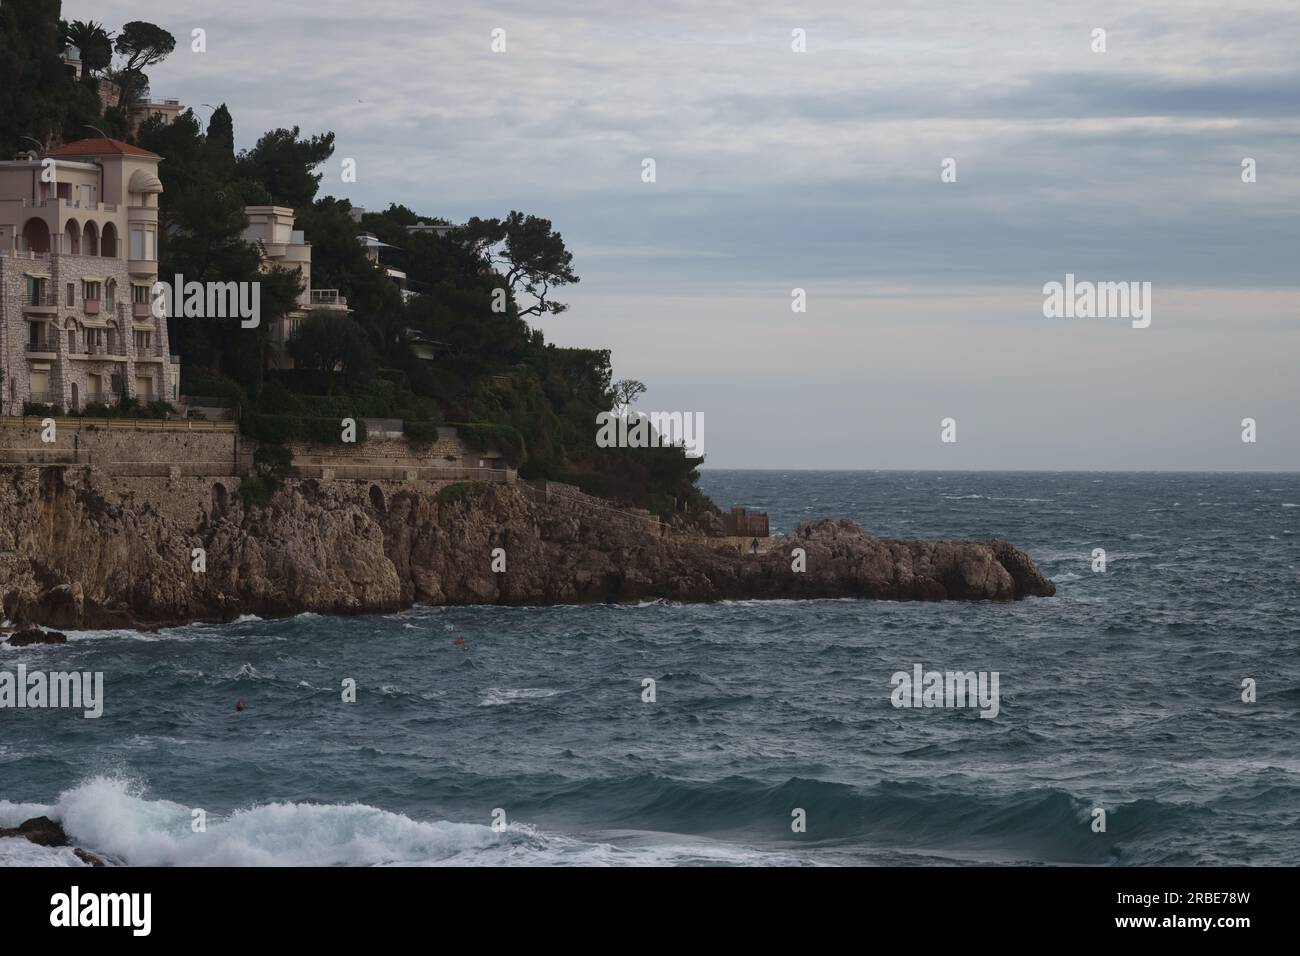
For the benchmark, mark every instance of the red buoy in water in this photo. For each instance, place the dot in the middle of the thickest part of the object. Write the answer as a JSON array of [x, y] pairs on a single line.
[[239, 705]]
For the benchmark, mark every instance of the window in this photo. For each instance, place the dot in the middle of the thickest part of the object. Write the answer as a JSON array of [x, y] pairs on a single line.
[[95, 337], [110, 295], [140, 294], [35, 290], [70, 294], [142, 340], [90, 290], [142, 243]]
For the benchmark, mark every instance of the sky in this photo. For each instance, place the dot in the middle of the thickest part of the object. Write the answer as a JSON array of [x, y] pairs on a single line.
[[820, 170]]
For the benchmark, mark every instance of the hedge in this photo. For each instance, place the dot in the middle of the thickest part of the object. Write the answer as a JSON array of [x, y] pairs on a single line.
[[286, 428], [486, 436]]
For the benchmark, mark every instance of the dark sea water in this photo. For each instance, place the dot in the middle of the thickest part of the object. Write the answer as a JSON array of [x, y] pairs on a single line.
[[1121, 693]]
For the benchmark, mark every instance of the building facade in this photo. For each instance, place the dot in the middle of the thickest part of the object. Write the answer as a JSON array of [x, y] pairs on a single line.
[[284, 247], [78, 262]]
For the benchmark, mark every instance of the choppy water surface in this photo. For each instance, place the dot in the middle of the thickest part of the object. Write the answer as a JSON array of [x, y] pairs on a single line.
[[1123, 692]]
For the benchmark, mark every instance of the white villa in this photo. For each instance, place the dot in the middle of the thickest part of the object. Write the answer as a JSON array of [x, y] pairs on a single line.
[[271, 227], [78, 261]]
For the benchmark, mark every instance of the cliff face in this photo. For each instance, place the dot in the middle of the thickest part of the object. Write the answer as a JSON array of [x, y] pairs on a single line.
[[88, 552]]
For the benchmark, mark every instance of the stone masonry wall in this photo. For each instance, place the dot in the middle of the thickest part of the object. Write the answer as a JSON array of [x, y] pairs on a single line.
[[103, 445]]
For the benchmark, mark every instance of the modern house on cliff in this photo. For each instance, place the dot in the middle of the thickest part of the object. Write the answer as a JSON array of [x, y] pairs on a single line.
[[284, 247], [78, 262]]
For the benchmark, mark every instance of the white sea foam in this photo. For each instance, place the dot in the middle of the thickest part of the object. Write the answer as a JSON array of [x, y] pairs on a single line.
[[111, 817], [496, 696], [19, 852]]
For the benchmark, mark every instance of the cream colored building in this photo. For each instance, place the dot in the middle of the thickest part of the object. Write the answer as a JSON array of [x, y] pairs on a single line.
[[285, 247], [78, 261], [165, 109]]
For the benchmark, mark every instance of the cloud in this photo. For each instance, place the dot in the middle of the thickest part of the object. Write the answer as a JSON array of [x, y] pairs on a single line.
[[821, 170]]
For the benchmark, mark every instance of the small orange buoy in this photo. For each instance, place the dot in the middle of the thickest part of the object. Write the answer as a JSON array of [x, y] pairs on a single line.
[[239, 705]]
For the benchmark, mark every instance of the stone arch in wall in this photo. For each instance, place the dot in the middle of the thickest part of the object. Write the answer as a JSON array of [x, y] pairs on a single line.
[[90, 240], [72, 237], [108, 241], [36, 235], [220, 500]]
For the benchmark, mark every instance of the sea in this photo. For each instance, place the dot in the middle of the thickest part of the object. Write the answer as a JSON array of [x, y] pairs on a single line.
[[1146, 714]]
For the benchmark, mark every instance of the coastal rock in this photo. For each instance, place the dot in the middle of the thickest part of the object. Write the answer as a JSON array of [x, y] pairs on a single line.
[[46, 832], [92, 554], [31, 634], [39, 830]]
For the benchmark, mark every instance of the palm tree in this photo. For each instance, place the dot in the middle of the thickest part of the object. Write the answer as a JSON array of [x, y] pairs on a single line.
[[94, 42]]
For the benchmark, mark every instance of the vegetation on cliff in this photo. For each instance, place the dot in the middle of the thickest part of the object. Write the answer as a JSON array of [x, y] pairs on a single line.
[[476, 288]]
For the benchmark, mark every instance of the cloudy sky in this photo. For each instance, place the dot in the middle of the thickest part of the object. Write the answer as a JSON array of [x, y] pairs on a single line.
[[820, 170]]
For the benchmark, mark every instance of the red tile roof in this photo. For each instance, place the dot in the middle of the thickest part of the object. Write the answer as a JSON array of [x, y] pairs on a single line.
[[98, 147]]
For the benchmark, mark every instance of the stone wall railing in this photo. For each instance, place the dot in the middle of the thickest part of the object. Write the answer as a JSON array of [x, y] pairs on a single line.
[[404, 473], [37, 457]]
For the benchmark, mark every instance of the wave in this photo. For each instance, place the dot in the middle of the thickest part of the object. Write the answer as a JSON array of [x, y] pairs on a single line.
[[496, 696], [111, 817]]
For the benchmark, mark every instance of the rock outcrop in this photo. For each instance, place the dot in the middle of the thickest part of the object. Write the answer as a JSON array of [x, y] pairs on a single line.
[[92, 553], [46, 832], [30, 634]]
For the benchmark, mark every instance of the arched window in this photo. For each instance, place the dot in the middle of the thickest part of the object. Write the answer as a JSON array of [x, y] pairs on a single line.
[[72, 237], [36, 236], [108, 241], [110, 287], [90, 240]]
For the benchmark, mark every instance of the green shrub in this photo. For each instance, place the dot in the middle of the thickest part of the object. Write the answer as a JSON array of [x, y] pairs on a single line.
[[257, 491], [420, 431], [461, 491], [207, 385], [274, 462], [486, 436]]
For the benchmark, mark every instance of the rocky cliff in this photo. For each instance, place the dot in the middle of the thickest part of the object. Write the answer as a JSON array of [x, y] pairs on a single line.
[[80, 550]]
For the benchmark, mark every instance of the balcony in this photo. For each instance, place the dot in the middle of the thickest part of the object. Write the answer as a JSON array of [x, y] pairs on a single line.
[[327, 299], [91, 306], [46, 397], [101, 350], [20, 247], [42, 301], [42, 348], [141, 310]]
